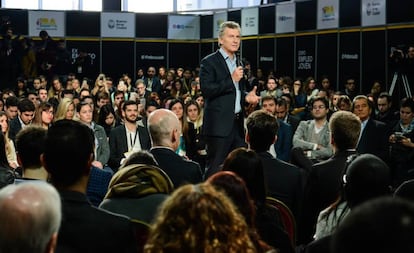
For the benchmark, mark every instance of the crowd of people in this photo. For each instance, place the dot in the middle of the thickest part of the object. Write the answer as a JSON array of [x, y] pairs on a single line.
[[173, 162]]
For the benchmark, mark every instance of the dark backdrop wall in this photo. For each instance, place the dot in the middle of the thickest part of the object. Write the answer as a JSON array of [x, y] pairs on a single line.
[[348, 51]]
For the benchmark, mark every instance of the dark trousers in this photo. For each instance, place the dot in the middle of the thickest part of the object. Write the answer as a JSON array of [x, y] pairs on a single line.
[[219, 147]]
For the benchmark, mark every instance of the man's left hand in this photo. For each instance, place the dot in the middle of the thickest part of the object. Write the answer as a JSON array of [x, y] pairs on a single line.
[[252, 98]]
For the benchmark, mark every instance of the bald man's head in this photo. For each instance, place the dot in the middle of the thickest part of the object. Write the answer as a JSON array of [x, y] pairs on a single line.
[[164, 127]]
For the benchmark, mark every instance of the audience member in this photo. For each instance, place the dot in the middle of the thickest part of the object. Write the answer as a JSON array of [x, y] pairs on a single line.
[[324, 181], [165, 130], [84, 228], [7, 176], [11, 107], [197, 218], [30, 144], [385, 112], [10, 149], [30, 218], [101, 153], [151, 81], [382, 225], [43, 115], [282, 113], [128, 138], [65, 110], [350, 88], [247, 165], [402, 144], [311, 141], [137, 190], [26, 113], [281, 148], [365, 178], [283, 180], [374, 135], [235, 188]]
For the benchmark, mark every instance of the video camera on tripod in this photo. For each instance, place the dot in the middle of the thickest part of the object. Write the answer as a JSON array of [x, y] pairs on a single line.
[[397, 53], [400, 59]]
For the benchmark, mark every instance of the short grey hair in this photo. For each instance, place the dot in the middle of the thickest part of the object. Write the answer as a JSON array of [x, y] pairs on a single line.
[[228, 24], [31, 215]]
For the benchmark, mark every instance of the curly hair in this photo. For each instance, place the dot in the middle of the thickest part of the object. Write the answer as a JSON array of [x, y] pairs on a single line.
[[198, 218]]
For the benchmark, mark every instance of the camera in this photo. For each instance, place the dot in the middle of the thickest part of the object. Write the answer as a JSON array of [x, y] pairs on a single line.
[[397, 53]]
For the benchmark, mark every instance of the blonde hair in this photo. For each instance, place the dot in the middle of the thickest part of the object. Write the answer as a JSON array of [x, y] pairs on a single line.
[[62, 109]]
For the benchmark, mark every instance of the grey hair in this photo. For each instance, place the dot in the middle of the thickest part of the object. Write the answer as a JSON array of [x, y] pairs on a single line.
[[31, 215]]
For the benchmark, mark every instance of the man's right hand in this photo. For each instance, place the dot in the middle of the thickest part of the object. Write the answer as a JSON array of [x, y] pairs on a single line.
[[237, 74]]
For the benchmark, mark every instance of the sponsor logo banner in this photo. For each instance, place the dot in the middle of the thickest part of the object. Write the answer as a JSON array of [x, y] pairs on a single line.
[[51, 21]]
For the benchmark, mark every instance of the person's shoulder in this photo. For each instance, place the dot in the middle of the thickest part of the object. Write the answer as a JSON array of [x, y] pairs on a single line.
[[108, 219], [118, 129], [210, 56]]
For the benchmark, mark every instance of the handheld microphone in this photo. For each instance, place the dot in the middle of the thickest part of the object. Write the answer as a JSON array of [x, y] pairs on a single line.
[[239, 61]]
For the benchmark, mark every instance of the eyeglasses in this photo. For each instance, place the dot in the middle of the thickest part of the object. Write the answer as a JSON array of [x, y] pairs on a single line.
[[318, 107]]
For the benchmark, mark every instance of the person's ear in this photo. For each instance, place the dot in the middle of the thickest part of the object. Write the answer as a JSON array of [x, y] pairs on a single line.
[[51, 245], [247, 138], [43, 162]]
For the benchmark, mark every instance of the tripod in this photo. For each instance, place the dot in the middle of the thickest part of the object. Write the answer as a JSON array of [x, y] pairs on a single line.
[[404, 81]]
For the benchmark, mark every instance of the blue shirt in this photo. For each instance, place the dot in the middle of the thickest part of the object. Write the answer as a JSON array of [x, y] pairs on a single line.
[[232, 65]]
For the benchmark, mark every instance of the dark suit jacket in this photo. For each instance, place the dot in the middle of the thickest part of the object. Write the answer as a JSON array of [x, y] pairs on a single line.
[[284, 181], [88, 229], [283, 145], [293, 121], [14, 128], [156, 84], [118, 144], [219, 94], [179, 170], [374, 139], [322, 189]]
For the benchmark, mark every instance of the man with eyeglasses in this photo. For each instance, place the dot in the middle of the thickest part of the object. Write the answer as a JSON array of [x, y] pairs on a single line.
[[311, 141]]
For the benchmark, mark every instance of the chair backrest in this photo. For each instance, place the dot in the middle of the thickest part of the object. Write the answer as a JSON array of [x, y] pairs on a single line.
[[288, 219], [141, 233]]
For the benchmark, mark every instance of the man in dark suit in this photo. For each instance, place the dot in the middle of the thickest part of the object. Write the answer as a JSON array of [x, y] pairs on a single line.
[[282, 113], [165, 130], [152, 82], [128, 138], [284, 180], [281, 148], [25, 115], [84, 228], [324, 180], [223, 89], [374, 134]]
